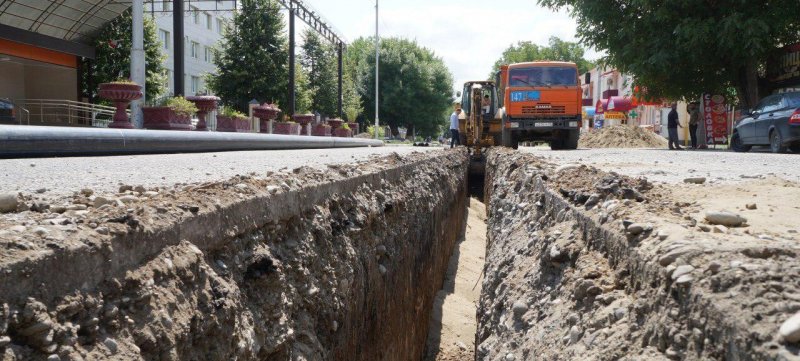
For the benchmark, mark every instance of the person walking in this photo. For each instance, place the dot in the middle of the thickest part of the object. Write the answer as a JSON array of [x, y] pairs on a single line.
[[694, 122], [672, 127], [454, 137]]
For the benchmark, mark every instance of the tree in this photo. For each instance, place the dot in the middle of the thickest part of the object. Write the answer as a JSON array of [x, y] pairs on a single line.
[[303, 94], [318, 60], [680, 49], [113, 56], [557, 50], [415, 85], [253, 58]]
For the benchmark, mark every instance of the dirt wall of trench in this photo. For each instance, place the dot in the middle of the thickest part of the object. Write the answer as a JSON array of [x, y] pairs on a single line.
[[341, 264], [571, 276]]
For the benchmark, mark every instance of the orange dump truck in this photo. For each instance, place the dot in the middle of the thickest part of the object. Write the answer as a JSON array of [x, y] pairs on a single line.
[[540, 101]]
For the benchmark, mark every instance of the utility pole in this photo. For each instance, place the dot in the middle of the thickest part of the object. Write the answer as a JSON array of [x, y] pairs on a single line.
[[178, 48], [377, 64], [137, 59], [291, 106]]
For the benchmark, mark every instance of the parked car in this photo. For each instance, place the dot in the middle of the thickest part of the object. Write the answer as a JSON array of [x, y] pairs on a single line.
[[7, 112], [775, 122]]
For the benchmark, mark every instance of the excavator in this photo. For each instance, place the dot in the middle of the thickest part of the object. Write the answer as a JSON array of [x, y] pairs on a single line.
[[478, 125]]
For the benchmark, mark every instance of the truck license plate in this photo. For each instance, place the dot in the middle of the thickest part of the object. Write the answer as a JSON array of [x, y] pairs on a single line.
[[543, 124]]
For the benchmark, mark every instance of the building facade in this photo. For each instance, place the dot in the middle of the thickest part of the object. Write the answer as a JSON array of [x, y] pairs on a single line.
[[204, 24]]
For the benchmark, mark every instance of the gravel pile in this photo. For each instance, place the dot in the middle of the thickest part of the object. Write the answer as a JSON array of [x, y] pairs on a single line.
[[622, 136]]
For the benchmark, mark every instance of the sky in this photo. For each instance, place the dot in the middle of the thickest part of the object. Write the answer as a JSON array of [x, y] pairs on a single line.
[[469, 35]]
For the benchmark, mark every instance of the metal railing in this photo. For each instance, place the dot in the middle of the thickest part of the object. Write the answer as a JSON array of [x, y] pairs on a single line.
[[66, 112]]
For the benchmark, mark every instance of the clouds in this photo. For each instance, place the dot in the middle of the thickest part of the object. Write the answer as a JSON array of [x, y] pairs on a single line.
[[469, 35]]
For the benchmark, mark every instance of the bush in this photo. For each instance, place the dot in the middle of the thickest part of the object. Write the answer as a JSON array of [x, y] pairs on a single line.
[[345, 126], [181, 106], [231, 112], [371, 131]]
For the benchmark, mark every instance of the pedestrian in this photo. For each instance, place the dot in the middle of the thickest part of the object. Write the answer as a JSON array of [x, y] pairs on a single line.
[[672, 127], [694, 122], [454, 138]]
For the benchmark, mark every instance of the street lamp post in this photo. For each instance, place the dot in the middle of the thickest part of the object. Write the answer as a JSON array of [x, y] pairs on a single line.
[[377, 64]]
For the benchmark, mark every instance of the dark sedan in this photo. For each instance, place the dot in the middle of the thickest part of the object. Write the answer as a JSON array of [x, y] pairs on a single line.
[[7, 112], [774, 122]]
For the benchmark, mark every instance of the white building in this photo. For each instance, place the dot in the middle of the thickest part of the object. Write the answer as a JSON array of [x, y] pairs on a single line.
[[204, 25]]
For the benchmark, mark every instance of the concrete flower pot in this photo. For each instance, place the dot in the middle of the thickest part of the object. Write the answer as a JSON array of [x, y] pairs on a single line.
[[164, 118], [265, 113], [232, 124], [287, 128], [335, 123], [321, 130], [204, 104], [354, 127], [343, 133], [304, 120], [121, 94]]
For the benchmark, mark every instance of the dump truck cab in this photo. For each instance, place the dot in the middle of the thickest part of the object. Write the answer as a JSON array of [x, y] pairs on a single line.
[[540, 101]]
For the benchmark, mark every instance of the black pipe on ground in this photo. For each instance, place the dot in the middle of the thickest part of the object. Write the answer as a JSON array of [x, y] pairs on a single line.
[[18, 141]]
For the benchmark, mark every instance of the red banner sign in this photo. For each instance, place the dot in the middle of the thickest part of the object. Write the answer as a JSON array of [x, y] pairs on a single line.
[[715, 116]]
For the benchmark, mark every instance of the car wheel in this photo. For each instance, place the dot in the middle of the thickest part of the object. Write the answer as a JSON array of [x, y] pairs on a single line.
[[506, 138], [737, 145], [795, 148], [776, 142]]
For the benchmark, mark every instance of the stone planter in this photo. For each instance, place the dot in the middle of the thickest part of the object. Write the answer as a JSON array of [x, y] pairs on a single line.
[[321, 130], [265, 113], [304, 120], [232, 124], [121, 94], [205, 104], [287, 128], [335, 123], [354, 127], [165, 118], [343, 133]]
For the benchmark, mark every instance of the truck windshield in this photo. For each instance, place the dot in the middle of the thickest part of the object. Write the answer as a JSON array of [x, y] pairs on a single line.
[[543, 76]]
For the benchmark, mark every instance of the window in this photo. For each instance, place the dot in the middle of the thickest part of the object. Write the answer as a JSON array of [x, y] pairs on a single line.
[[769, 104], [209, 22], [165, 39], [195, 84], [168, 79], [793, 100], [166, 5], [195, 14], [208, 54], [543, 76], [220, 26], [195, 50]]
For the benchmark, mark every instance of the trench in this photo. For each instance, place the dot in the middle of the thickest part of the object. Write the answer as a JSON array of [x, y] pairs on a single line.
[[396, 259]]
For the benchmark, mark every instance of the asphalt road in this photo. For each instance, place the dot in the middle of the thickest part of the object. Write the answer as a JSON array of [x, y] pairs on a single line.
[[62, 176], [675, 166]]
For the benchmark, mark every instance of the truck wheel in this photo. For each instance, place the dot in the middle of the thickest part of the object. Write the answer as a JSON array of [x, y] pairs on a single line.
[[556, 144], [506, 138], [571, 140]]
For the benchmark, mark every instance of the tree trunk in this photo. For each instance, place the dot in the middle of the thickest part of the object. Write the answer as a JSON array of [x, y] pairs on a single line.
[[748, 85]]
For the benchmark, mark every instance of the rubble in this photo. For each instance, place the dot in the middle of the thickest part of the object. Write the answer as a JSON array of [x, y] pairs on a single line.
[[622, 136]]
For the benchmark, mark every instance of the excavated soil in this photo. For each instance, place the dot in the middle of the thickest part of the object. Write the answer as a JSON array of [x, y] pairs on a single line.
[[588, 265], [622, 136], [340, 264]]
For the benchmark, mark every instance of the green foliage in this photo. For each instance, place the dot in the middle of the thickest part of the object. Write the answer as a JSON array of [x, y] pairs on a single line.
[[319, 61], [371, 130], [252, 62], [227, 111], [678, 49], [351, 101], [556, 50], [302, 95], [113, 63], [181, 106], [415, 85], [345, 126]]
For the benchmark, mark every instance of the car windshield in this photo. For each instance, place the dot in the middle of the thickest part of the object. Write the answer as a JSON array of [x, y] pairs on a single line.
[[543, 76], [793, 99]]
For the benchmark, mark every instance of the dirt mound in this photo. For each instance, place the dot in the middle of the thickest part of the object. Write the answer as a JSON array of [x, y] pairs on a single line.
[[622, 136]]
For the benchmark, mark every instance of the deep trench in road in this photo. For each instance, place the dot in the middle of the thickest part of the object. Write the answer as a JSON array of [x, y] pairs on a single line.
[[453, 323]]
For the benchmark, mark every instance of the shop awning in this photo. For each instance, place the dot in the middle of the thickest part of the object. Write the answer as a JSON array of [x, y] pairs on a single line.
[[44, 22], [619, 104]]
